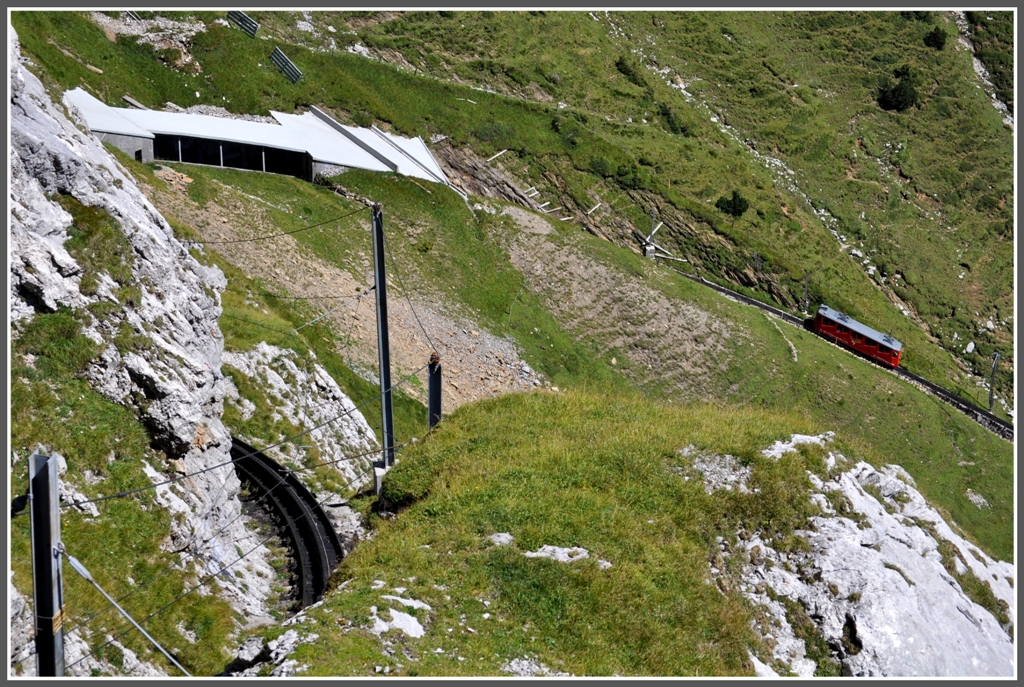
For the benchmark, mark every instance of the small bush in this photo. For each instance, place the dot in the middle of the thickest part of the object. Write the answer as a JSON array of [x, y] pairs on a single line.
[[735, 206], [601, 167], [899, 96], [362, 118], [936, 38], [632, 70], [671, 120]]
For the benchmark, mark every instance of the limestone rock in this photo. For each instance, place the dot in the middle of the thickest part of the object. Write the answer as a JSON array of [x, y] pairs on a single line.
[[876, 587], [174, 383]]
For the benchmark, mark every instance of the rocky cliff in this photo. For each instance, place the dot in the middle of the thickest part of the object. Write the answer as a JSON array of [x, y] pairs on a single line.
[[880, 584], [175, 385]]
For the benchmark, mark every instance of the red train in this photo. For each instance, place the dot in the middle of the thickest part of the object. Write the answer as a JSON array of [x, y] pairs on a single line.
[[843, 329]]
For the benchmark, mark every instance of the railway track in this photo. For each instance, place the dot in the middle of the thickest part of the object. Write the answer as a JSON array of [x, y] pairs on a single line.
[[984, 418], [315, 545]]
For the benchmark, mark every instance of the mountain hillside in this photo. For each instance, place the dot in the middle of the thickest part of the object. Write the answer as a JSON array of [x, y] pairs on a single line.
[[670, 448]]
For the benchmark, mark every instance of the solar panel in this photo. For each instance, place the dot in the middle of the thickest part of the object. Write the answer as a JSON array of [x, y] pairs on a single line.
[[286, 65], [244, 22]]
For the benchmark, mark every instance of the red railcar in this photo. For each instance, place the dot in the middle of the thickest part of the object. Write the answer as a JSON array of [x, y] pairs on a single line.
[[843, 329]]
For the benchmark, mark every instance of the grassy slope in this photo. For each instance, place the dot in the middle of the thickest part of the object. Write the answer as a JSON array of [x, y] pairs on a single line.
[[945, 452], [886, 419], [802, 87], [741, 77], [52, 406], [564, 470]]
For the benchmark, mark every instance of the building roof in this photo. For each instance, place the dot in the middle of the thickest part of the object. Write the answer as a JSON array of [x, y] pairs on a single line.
[[103, 119], [862, 329], [326, 140]]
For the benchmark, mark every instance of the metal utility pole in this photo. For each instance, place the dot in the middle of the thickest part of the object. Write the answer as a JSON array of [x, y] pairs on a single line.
[[433, 391], [992, 384], [47, 585], [807, 300], [383, 349]]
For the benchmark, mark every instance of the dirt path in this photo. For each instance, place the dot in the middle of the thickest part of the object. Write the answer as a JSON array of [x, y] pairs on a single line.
[[475, 363], [655, 340]]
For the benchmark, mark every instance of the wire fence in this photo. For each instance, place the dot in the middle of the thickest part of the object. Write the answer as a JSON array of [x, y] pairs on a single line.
[[265, 495], [130, 492], [205, 580]]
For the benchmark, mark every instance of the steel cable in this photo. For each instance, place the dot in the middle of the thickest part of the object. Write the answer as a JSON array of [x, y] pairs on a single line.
[[284, 233], [202, 582]]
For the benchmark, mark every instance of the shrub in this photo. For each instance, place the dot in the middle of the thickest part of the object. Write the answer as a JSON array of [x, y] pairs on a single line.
[[629, 68], [362, 118], [735, 206], [936, 38], [601, 167], [671, 120], [899, 96]]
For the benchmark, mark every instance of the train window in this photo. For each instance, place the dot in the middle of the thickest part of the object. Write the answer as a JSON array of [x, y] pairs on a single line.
[[883, 349], [840, 328], [827, 322]]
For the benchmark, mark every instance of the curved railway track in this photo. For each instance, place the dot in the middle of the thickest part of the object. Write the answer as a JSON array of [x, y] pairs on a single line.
[[315, 545], [984, 418]]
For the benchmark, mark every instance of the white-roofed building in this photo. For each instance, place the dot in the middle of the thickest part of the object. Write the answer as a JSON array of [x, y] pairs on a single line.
[[297, 145]]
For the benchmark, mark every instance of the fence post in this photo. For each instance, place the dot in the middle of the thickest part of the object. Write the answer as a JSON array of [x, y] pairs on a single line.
[[807, 300], [992, 384], [47, 586], [383, 348], [434, 391]]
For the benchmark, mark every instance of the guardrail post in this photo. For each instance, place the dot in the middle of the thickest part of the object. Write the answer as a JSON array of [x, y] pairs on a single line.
[[47, 586], [434, 391]]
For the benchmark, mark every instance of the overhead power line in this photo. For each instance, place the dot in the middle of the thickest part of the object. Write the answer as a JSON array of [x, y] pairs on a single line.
[[129, 492], [284, 233], [405, 292]]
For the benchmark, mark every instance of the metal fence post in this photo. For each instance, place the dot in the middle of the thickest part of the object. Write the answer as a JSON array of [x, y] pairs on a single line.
[[434, 391], [807, 300], [992, 384], [47, 586]]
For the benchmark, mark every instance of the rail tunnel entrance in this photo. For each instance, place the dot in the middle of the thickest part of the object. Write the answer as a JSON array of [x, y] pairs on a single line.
[[315, 546]]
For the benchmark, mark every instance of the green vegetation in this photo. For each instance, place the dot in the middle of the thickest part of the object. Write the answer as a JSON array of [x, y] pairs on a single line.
[[936, 38], [977, 590], [563, 470], [901, 95], [467, 266], [992, 36], [53, 407], [97, 244], [883, 129], [924, 191]]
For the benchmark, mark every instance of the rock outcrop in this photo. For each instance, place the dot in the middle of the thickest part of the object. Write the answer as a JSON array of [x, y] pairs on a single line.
[[884, 581], [174, 383]]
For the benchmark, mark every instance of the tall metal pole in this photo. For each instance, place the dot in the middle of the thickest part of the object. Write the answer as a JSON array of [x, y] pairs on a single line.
[[433, 391], [992, 384], [807, 301], [47, 586], [383, 350]]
